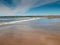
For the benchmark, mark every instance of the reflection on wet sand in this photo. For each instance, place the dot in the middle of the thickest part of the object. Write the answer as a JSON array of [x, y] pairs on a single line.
[[25, 35]]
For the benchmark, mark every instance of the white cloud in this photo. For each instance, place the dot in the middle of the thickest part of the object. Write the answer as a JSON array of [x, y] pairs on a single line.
[[28, 4], [43, 2], [22, 6]]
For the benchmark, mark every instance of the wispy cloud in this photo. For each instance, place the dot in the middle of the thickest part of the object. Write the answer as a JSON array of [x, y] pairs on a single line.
[[20, 6]]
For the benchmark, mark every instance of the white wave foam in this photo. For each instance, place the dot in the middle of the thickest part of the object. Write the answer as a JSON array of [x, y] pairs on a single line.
[[20, 21]]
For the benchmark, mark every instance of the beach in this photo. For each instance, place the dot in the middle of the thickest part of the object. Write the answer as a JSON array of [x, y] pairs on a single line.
[[31, 33]]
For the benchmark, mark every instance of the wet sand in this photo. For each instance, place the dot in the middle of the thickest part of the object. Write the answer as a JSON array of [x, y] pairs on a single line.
[[28, 36]]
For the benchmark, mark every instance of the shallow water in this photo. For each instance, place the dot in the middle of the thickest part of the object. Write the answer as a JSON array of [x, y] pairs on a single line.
[[44, 23], [11, 19]]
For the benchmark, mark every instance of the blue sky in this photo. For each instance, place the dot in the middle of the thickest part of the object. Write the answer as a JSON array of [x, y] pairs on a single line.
[[29, 7], [48, 9]]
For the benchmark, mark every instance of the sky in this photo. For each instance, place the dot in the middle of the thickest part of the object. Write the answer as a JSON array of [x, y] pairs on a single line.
[[29, 7]]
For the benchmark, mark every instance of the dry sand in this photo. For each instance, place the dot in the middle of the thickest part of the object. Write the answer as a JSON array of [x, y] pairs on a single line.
[[19, 37]]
